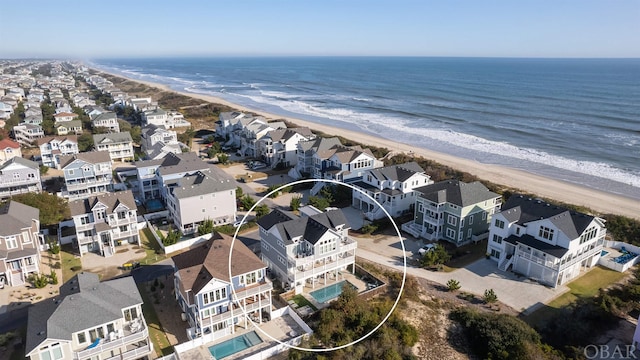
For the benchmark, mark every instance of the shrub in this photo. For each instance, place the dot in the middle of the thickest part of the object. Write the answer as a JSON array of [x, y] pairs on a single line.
[[56, 265], [261, 210], [319, 202], [172, 237], [490, 296], [239, 192], [76, 268], [247, 202], [368, 229], [295, 203], [206, 227], [437, 256], [38, 280], [54, 247], [453, 285], [53, 278]]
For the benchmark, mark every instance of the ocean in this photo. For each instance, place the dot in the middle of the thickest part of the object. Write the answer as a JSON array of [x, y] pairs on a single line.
[[576, 120]]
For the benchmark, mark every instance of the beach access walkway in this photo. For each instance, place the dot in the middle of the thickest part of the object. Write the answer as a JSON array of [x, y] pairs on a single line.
[[519, 293]]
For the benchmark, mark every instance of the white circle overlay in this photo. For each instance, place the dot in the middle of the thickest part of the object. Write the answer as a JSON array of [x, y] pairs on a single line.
[[404, 268]]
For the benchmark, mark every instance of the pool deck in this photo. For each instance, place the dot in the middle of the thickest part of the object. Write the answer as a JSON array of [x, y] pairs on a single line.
[[281, 328], [308, 288]]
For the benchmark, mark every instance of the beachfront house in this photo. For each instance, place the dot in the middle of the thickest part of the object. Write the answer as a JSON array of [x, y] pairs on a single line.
[[204, 288], [280, 146], [86, 174], [19, 243], [545, 242], [27, 134], [53, 147], [157, 117], [19, 176], [310, 249], [9, 149], [119, 145], [306, 149], [392, 187], [205, 195], [453, 211], [154, 174], [107, 120], [227, 121], [254, 131], [68, 127], [105, 221], [89, 319]]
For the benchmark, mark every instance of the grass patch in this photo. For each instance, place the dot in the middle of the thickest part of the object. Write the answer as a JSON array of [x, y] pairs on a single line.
[[156, 331], [302, 301], [466, 255], [586, 286], [153, 251], [69, 260]]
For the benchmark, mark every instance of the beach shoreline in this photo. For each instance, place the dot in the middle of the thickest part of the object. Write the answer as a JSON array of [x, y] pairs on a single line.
[[598, 200]]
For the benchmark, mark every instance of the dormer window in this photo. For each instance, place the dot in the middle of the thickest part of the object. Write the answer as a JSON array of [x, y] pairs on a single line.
[[546, 233]]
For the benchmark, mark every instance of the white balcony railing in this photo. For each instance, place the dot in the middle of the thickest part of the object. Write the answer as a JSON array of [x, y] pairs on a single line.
[[254, 290], [326, 266], [344, 246], [117, 343]]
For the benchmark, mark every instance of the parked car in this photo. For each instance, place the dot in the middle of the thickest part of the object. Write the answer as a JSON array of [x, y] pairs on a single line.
[[423, 250], [258, 165]]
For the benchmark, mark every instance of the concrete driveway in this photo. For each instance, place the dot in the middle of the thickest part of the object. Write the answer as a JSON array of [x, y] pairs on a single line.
[[517, 292]]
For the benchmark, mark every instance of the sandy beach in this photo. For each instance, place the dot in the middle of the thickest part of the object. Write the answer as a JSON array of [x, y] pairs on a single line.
[[600, 201]]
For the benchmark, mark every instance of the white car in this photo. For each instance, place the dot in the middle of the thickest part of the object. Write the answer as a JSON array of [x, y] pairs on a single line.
[[423, 250]]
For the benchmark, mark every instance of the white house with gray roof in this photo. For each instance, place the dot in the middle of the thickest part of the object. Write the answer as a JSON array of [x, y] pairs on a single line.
[[545, 242], [308, 249], [453, 211], [19, 176], [107, 120], [157, 142], [205, 195], [19, 243], [27, 134], [104, 222], [89, 319], [392, 187], [119, 145], [305, 150], [53, 147], [280, 146], [154, 174], [86, 174]]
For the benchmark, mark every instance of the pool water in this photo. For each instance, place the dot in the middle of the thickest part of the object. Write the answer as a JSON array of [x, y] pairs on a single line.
[[234, 345], [330, 292], [604, 253], [154, 205]]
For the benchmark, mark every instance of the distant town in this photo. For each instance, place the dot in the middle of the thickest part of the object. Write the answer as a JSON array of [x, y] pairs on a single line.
[[137, 223]]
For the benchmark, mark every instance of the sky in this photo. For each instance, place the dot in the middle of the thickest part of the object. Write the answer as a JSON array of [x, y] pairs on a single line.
[[75, 29]]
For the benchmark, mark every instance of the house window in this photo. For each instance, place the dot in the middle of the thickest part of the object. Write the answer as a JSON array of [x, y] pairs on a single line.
[[97, 333], [110, 328], [52, 352], [545, 233], [251, 278], [497, 239], [470, 219], [452, 220], [123, 228], [499, 223], [461, 223], [71, 172], [265, 247], [282, 260], [16, 176], [451, 234], [419, 207], [280, 243], [495, 253], [81, 337], [130, 314], [517, 231], [484, 215], [122, 215], [12, 242]]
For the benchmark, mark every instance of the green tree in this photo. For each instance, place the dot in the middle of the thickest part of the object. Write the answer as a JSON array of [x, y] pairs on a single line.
[[223, 158], [247, 202], [53, 277], [53, 209], [490, 296], [319, 202], [136, 134], [437, 256], [453, 285], [172, 237], [295, 203], [261, 210], [43, 170], [206, 227], [85, 142], [239, 192]]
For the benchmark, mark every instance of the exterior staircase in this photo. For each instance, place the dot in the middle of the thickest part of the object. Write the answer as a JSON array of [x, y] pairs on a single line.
[[504, 265], [316, 188]]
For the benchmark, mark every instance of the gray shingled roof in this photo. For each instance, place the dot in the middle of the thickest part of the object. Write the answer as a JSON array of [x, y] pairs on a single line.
[[91, 157], [456, 192], [184, 162], [61, 138], [113, 137], [310, 228], [15, 216], [529, 240], [110, 200], [399, 172], [202, 183], [522, 209], [21, 161], [286, 134], [105, 116], [319, 144], [85, 303]]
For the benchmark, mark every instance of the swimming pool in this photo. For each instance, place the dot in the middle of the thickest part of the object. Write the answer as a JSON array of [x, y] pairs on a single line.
[[330, 292], [154, 205], [604, 253], [234, 345]]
